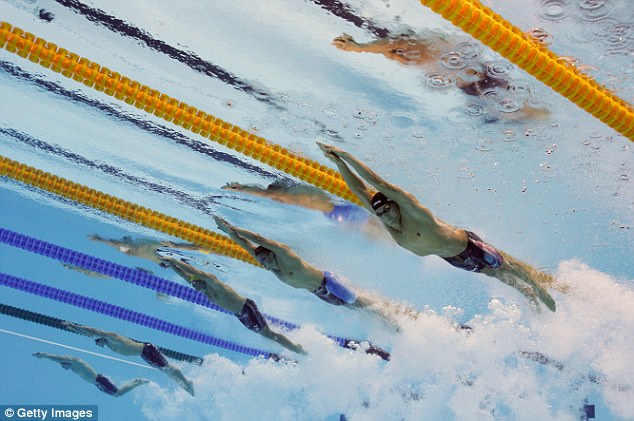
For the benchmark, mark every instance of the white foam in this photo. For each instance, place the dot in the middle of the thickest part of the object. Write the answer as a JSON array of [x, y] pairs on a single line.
[[437, 372]]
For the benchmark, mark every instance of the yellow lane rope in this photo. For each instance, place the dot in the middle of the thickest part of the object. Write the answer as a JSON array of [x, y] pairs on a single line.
[[123, 209], [93, 75], [500, 35]]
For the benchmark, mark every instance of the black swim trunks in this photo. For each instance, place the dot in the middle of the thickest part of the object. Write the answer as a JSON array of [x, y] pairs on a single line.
[[333, 291], [153, 356], [477, 255], [251, 317], [105, 385]]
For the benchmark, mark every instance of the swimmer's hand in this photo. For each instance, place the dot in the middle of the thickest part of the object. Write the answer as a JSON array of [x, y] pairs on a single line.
[[95, 237], [345, 42], [223, 225], [38, 354], [331, 152], [73, 327], [231, 186]]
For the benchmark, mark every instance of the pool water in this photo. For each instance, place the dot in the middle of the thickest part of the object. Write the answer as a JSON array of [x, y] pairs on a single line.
[[555, 192]]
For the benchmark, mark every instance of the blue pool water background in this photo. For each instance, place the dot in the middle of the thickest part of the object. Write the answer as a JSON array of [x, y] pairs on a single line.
[[554, 193]]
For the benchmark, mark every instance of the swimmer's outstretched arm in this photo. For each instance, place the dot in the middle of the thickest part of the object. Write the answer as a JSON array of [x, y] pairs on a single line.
[[282, 340], [56, 358], [185, 270], [250, 239], [114, 243], [390, 190], [229, 229], [274, 246], [85, 330], [345, 42], [182, 246], [91, 331], [356, 184], [217, 291]]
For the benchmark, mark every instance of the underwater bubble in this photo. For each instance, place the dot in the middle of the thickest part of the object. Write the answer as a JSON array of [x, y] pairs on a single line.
[[595, 134], [624, 177], [491, 95], [229, 103], [509, 136], [418, 133], [484, 145], [522, 88], [438, 80], [553, 9], [303, 130], [411, 55], [402, 120], [474, 110], [458, 115], [471, 73], [330, 111], [364, 114], [594, 10], [499, 69], [508, 105], [619, 36], [467, 50], [453, 60], [540, 35]]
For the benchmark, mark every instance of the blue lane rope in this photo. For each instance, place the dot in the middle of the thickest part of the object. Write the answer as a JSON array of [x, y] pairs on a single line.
[[122, 313], [124, 273]]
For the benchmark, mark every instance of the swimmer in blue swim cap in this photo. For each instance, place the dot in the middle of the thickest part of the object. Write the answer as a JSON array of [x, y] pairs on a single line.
[[414, 228], [309, 197], [291, 269]]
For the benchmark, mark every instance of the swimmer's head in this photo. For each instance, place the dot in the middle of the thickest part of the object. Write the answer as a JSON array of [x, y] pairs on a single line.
[[199, 285], [66, 365], [101, 342], [266, 258], [386, 209]]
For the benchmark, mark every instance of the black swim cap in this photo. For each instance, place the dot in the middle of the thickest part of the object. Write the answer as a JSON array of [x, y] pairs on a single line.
[[378, 200], [261, 249]]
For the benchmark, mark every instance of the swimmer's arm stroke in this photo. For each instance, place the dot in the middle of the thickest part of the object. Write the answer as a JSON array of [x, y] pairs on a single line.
[[356, 184], [85, 330], [274, 246], [186, 271], [56, 358]]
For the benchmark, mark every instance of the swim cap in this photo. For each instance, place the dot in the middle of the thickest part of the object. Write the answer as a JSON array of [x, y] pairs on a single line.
[[378, 200]]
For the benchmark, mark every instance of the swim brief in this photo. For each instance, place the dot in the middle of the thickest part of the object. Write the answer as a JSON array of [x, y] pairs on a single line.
[[476, 256], [333, 291], [348, 212], [153, 356], [251, 317], [105, 385]]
